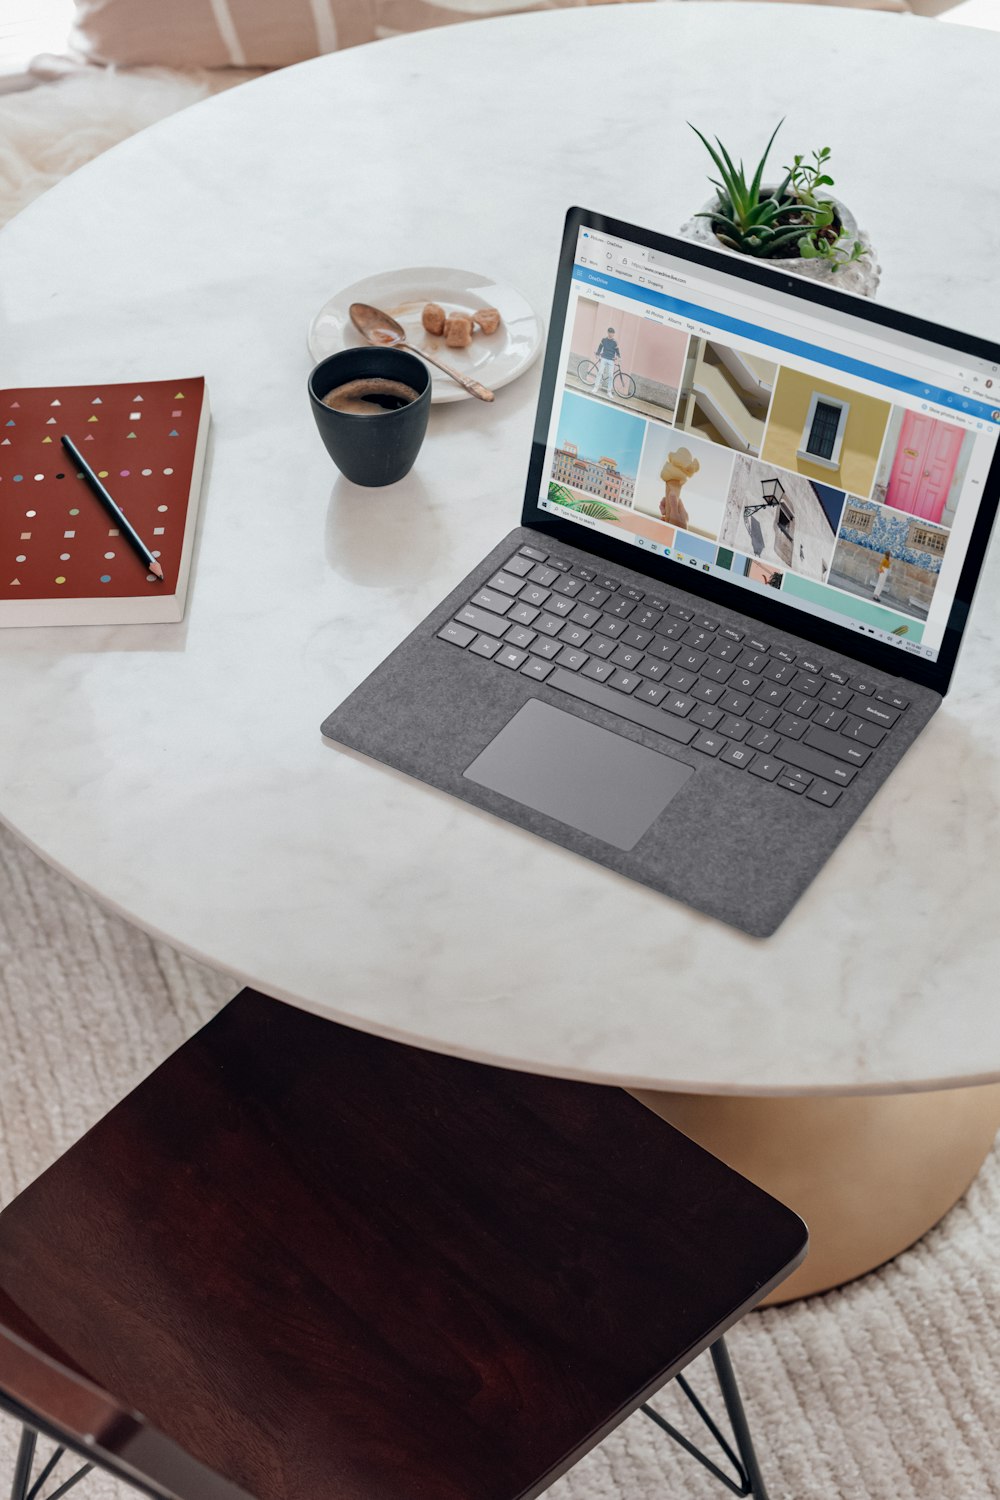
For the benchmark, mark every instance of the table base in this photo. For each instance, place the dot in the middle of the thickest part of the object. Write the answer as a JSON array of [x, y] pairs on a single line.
[[868, 1173]]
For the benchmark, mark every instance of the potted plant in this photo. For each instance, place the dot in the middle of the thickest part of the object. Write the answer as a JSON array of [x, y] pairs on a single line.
[[794, 225]]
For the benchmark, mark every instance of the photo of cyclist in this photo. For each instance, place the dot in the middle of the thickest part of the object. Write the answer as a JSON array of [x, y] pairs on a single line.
[[607, 355]]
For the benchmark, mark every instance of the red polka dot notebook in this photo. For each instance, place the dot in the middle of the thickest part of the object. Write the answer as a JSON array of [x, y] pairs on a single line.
[[62, 559]]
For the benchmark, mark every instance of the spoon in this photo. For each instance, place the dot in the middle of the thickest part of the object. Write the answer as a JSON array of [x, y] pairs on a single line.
[[379, 328]]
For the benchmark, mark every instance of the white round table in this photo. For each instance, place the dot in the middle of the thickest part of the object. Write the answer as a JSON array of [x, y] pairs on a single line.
[[178, 772]]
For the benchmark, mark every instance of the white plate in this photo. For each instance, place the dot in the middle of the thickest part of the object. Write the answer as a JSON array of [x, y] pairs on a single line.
[[494, 358]]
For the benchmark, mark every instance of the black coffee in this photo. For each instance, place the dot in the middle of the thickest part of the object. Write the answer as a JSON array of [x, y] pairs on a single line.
[[370, 397]]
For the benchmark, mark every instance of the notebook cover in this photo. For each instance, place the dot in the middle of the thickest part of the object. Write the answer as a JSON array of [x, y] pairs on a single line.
[[62, 560]]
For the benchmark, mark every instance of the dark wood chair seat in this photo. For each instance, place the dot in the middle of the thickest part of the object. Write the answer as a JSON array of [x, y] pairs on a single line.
[[306, 1263]]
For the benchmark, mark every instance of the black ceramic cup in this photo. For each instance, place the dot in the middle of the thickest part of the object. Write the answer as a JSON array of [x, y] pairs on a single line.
[[380, 449]]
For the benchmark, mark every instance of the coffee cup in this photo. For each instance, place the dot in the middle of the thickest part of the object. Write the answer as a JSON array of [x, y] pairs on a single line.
[[381, 446]]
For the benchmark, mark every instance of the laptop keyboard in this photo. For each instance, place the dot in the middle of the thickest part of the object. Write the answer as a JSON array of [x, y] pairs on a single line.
[[726, 692]]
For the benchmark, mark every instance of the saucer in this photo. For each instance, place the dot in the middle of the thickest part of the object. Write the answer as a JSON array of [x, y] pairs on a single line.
[[495, 358]]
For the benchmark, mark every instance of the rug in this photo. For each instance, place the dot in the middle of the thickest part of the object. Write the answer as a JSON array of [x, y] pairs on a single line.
[[886, 1390]]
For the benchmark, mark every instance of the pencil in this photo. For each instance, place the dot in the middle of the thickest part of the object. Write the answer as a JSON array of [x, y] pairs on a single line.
[[124, 525]]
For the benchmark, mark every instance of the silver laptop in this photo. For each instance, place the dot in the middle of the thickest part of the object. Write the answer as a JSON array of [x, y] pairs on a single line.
[[755, 516]]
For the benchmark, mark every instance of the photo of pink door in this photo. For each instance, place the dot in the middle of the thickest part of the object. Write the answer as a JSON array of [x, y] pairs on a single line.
[[924, 466]]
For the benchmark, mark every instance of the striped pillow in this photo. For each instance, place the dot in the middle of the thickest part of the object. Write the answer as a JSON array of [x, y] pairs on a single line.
[[259, 33]]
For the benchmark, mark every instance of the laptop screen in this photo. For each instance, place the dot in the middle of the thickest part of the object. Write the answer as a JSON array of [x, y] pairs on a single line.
[[822, 460]]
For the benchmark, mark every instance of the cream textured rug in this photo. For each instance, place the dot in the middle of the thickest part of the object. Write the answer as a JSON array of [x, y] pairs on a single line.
[[888, 1390]]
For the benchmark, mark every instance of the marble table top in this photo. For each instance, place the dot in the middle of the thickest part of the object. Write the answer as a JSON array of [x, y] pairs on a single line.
[[178, 772]]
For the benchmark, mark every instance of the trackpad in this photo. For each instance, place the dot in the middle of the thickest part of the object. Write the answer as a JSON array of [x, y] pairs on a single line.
[[575, 771]]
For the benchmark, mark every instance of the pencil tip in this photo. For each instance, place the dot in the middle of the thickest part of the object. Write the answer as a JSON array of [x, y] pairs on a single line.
[[156, 571]]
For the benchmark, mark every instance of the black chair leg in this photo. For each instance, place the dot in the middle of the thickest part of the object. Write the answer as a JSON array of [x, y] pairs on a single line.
[[22, 1487], [749, 1480]]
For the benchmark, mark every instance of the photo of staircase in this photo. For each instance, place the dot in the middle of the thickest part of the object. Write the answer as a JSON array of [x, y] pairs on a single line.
[[725, 395]]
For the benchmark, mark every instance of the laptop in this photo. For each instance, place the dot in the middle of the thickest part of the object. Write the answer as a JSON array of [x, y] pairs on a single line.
[[756, 512]]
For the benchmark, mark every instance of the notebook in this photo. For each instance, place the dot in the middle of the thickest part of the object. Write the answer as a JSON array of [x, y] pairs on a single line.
[[62, 559]]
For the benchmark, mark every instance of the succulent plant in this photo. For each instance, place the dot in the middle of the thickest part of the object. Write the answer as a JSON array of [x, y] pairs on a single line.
[[784, 221]]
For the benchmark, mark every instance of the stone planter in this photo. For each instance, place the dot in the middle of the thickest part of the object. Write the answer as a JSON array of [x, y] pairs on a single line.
[[861, 278]]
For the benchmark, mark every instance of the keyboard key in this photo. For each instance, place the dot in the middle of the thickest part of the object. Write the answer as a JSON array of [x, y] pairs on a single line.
[[772, 692], [734, 728], [651, 692], [520, 635], [731, 633], [737, 755], [795, 773], [806, 683], [697, 638], [783, 653], [559, 604], [756, 644], [608, 625], [572, 659], [789, 784], [482, 619], [537, 668], [763, 713], [690, 660], [744, 682], [822, 791], [637, 712], [708, 692], [751, 661], [485, 645], [868, 734], [600, 645], [835, 674], [634, 637], [878, 713], [762, 739], [828, 717], [862, 685], [595, 596], [656, 601], [735, 703], [533, 552], [574, 635], [584, 615], [549, 624], [706, 715], [545, 645], [836, 745], [506, 582], [632, 593], [890, 696], [625, 682], [705, 623], [779, 671], [765, 767], [627, 656], [678, 703], [509, 656], [650, 667], [545, 576], [599, 670], [798, 754], [708, 743], [560, 563], [793, 727], [459, 635], [717, 671], [533, 593], [836, 693], [646, 618], [620, 607], [568, 585], [810, 664], [727, 650], [799, 705], [665, 650], [523, 614], [518, 565], [683, 681], [672, 629], [611, 584], [682, 612], [587, 574]]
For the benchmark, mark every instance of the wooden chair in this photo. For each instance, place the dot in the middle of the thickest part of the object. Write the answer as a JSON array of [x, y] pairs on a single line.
[[300, 1262]]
